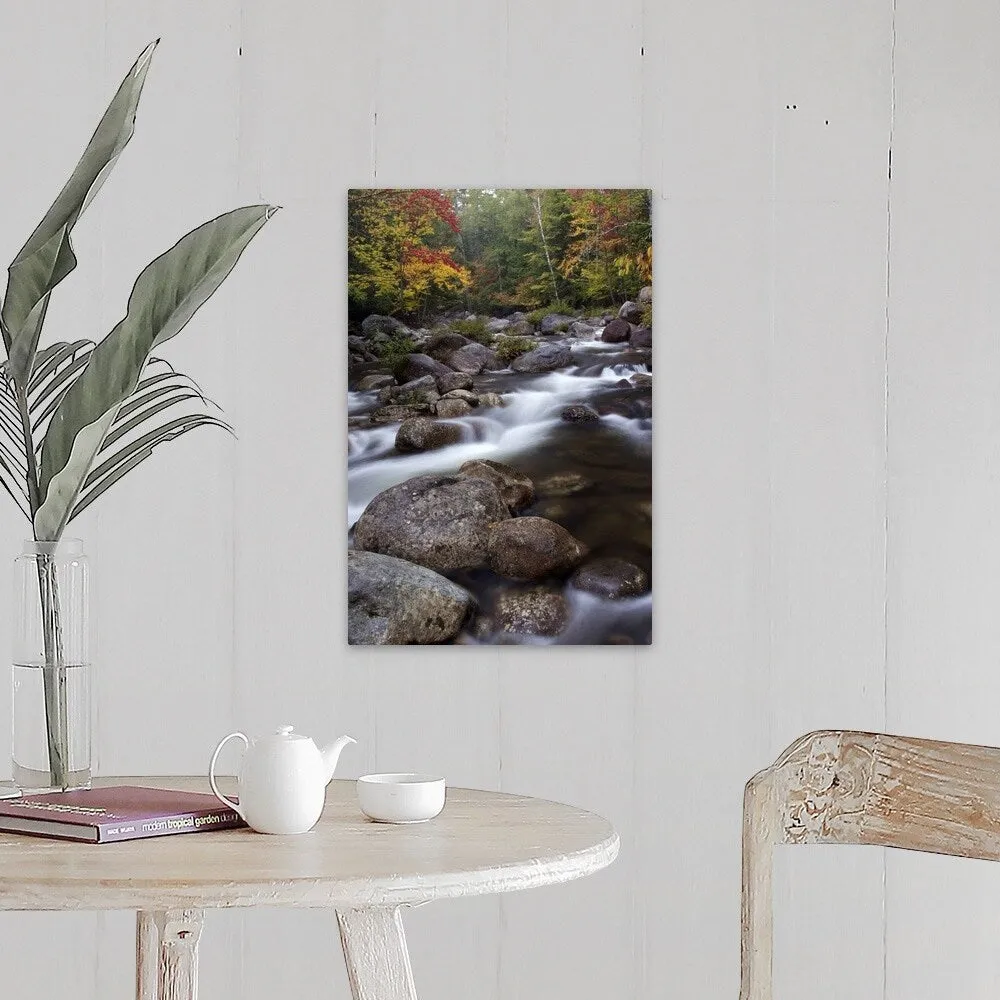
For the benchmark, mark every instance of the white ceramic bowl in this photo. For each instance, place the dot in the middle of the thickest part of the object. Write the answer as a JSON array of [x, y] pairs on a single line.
[[400, 798]]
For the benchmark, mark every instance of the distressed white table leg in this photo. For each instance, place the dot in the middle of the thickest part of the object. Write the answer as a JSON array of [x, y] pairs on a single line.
[[147, 956], [378, 965], [168, 940]]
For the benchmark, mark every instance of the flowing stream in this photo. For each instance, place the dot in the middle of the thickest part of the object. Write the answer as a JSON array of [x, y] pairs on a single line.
[[611, 513]]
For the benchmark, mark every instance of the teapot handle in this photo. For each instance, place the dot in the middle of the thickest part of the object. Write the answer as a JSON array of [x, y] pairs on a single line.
[[229, 803]]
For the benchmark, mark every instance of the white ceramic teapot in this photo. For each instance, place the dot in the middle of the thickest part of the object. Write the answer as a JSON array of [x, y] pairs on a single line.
[[282, 781]]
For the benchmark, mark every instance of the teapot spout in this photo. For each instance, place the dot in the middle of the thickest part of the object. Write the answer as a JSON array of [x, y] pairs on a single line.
[[331, 754]]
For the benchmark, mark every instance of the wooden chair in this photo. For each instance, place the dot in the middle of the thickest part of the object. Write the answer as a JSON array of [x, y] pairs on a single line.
[[860, 788]]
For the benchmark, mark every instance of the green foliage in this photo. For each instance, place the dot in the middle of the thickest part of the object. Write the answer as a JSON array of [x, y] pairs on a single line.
[[392, 351], [93, 413], [474, 329], [646, 319], [508, 348]]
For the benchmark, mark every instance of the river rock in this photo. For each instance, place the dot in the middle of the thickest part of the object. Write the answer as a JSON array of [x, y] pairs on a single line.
[[425, 433], [563, 484], [441, 522], [554, 323], [530, 548], [616, 332], [453, 380], [416, 365], [630, 311], [546, 358], [541, 611], [520, 328], [443, 344], [375, 324], [451, 408], [370, 382], [497, 325], [393, 602], [612, 578], [418, 390], [473, 358], [516, 489], [641, 339], [579, 413], [491, 399], [470, 397], [581, 330], [646, 295], [394, 413]]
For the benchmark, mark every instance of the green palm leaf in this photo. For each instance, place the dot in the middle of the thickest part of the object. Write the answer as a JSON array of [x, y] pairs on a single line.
[[166, 295], [13, 468], [48, 255], [135, 452]]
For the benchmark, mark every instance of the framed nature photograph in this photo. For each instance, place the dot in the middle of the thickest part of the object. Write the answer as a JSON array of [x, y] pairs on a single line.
[[500, 377]]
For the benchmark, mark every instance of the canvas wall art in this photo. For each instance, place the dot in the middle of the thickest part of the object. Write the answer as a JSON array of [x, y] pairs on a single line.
[[500, 377]]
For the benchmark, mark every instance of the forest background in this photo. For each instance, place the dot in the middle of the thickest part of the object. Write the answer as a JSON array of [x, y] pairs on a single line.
[[413, 253]]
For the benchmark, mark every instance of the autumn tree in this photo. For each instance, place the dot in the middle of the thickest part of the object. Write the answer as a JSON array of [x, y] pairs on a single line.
[[401, 251], [610, 253]]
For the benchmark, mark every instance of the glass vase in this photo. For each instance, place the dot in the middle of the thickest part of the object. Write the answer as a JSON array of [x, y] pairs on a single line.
[[51, 667]]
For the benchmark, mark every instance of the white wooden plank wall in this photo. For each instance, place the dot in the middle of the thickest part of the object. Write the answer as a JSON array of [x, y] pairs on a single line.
[[823, 558]]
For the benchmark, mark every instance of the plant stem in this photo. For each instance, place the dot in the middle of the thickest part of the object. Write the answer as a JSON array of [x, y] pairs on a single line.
[[54, 669], [53, 673]]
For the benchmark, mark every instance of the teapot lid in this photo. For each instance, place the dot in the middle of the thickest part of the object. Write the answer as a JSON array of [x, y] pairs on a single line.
[[284, 733]]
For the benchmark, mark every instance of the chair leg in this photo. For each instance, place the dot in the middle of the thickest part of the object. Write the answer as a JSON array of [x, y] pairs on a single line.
[[756, 942], [167, 954], [378, 965], [147, 956]]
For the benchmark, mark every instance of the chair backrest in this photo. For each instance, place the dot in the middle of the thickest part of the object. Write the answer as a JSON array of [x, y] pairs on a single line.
[[860, 788]]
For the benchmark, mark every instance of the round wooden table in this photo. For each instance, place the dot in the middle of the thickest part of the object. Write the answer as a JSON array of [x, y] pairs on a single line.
[[483, 842]]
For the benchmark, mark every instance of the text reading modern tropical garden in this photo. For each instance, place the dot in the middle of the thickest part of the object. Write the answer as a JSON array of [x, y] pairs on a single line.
[[499, 416]]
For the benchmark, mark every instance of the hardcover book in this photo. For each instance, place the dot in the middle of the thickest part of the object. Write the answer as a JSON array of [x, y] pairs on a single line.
[[119, 812]]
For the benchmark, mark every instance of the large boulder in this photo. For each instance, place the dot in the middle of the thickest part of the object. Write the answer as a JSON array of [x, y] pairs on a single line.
[[453, 380], [616, 332], [425, 434], [451, 407], [516, 489], [472, 359], [497, 324], [541, 611], [546, 358], [375, 324], [646, 295], [415, 366], [443, 344], [555, 323], [631, 312], [418, 390], [531, 548], [581, 330], [612, 578], [441, 522], [641, 339], [393, 602]]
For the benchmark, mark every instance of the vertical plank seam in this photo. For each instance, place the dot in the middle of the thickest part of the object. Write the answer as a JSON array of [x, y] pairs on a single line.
[[239, 921], [885, 455]]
